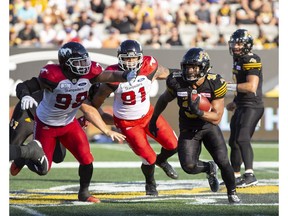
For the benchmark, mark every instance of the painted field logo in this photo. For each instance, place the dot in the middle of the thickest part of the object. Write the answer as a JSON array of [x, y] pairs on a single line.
[[196, 191]]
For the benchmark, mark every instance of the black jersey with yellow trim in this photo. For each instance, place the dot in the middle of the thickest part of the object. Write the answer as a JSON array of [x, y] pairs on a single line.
[[249, 64], [214, 87]]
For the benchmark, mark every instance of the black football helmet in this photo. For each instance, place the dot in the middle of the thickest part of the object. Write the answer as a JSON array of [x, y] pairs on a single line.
[[195, 57], [243, 38], [130, 49], [74, 58]]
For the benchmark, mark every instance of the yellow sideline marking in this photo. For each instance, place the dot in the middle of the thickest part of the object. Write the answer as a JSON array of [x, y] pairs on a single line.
[[33, 197]]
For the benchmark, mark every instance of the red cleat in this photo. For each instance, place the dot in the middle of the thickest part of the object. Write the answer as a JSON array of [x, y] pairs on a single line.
[[14, 170], [93, 199]]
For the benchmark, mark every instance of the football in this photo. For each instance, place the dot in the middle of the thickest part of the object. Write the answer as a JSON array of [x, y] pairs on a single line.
[[204, 103]]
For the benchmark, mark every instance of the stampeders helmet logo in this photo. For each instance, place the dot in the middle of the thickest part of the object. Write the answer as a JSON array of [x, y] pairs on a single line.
[[65, 51]]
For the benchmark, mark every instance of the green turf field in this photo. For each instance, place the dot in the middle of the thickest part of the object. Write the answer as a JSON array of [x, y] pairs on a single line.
[[118, 182]]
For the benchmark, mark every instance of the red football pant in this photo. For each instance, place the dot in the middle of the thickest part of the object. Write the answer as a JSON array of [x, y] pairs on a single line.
[[72, 136], [136, 132]]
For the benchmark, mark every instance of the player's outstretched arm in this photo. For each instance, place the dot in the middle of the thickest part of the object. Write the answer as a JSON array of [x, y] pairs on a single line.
[[24, 91], [94, 117], [160, 106], [117, 76], [99, 96]]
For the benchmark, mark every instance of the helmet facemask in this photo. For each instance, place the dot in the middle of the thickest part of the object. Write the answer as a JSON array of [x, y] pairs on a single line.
[[79, 65], [193, 72], [130, 61]]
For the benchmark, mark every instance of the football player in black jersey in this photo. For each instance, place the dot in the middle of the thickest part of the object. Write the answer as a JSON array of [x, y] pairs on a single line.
[[21, 127], [247, 105], [197, 126]]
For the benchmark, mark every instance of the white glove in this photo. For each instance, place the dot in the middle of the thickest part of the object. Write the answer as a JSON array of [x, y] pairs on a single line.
[[131, 76], [28, 102], [231, 87]]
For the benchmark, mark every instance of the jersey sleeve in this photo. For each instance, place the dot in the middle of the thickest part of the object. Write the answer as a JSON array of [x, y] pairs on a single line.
[[252, 65], [171, 85], [219, 85], [27, 87], [149, 67], [51, 75], [95, 70]]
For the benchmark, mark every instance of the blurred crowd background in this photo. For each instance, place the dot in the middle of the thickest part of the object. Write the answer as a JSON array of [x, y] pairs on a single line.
[[154, 23]]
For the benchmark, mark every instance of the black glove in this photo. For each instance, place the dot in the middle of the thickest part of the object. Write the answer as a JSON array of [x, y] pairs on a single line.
[[194, 106], [152, 127]]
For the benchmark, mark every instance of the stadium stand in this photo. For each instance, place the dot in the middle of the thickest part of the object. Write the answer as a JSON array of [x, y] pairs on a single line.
[[60, 12]]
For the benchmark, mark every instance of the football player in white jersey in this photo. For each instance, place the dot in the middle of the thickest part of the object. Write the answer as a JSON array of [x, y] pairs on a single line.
[[132, 111], [22, 124], [66, 87]]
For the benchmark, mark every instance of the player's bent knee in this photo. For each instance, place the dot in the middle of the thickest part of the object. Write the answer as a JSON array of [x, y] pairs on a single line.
[[189, 168]]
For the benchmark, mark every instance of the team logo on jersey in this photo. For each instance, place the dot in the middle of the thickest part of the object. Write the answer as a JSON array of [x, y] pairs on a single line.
[[206, 94], [44, 70], [82, 84], [65, 85], [182, 94], [238, 67], [141, 79], [253, 60], [177, 74]]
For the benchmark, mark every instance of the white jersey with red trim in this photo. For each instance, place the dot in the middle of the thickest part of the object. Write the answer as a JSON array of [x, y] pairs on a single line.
[[60, 105], [133, 101]]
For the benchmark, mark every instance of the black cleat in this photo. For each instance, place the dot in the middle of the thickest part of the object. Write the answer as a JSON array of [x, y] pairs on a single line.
[[248, 179], [212, 177], [233, 198], [238, 181], [35, 147], [151, 189], [168, 169], [39, 159]]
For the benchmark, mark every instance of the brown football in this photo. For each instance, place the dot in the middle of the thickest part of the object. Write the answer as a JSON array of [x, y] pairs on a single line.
[[204, 103]]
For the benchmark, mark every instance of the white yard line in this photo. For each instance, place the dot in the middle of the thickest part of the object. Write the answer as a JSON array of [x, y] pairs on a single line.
[[137, 164], [28, 210]]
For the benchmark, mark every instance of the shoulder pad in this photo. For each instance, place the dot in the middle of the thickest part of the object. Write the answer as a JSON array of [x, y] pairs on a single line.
[[52, 73]]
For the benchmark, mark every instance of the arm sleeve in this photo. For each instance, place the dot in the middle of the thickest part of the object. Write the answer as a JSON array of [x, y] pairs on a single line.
[[27, 87]]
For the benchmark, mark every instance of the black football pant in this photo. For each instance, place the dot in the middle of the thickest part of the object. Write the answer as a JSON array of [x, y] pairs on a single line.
[[189, 149], [21, 127], [242, 126]]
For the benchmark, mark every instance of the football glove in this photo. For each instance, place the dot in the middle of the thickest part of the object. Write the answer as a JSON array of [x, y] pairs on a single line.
[[28, 102], [130, 76], [194, 106]]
